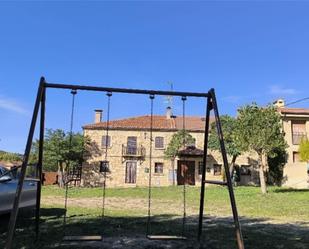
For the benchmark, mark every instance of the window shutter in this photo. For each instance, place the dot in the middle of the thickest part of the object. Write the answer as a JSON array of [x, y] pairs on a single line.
[[104, 142], [159, 142]]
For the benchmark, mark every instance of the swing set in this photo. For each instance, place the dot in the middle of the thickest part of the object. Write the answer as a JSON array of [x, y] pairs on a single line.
[[72, 172]]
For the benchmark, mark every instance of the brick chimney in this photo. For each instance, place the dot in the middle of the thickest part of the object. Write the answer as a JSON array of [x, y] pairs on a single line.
[[169, 113], [98, 116]]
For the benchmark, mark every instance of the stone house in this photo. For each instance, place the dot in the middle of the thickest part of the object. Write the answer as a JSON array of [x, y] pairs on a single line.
[[128, 147], [295, 122]]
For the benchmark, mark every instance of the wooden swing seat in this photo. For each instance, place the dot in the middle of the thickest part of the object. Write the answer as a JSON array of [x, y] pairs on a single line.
[[165, 237], [83, 238]]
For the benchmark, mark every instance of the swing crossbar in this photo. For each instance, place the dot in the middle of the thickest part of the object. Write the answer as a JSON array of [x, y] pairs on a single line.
[[165, 237], [83, 238], [124, 90]]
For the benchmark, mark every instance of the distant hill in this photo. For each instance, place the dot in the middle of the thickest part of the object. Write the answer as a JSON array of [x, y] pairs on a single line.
[[10, 157]]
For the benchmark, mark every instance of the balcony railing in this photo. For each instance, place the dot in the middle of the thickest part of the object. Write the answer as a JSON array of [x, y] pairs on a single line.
[[297, 137], [129, 151]]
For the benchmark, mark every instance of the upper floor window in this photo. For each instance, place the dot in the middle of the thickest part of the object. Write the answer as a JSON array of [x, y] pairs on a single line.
[[158, 169], [132, 141], [132, 145], [159, 142], [298, 131], [106, 141]]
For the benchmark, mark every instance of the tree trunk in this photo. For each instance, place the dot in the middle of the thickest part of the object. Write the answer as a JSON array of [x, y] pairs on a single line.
[[60, 175], [232, 165], [173, 169], [262, 165]]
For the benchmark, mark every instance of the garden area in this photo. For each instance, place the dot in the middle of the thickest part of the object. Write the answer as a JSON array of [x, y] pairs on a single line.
[[275, 220]]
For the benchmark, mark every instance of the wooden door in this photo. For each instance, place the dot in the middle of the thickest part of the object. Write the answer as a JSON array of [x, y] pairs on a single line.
[[130, 172], [186, 173], [131, 145]]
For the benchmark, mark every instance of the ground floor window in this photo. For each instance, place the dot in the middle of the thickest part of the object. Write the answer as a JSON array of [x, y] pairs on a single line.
[[245, 170], [158, 169], [130, 176], [200, 168], [217, 169]]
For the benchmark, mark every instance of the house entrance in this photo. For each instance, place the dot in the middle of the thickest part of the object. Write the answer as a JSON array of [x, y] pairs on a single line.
[[130, 172], [186, 173]]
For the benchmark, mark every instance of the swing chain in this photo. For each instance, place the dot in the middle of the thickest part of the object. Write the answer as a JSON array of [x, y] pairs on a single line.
[[151, 96], [106, 166], [67, 178], [184, 98]]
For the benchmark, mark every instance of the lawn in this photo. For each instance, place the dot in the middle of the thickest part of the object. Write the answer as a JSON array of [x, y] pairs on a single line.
[[279, 219]]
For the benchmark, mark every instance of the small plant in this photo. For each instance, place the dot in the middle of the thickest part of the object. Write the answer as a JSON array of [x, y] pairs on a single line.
[[304, 150]]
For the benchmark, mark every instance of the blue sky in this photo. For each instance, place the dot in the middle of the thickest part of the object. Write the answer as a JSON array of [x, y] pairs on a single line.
[[248, 51]]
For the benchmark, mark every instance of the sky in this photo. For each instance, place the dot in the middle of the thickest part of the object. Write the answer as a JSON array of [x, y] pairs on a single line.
[[248, 51]]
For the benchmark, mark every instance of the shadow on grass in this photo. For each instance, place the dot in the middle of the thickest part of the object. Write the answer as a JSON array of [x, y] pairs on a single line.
[[218, 232], [290, 190]]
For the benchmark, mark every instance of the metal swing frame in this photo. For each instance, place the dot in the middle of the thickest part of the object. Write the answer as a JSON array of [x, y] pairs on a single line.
[[40, 106]]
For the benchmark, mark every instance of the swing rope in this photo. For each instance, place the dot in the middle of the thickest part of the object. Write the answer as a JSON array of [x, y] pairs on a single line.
[[67, 180], [150, 163], [184, 98], [107, 140]]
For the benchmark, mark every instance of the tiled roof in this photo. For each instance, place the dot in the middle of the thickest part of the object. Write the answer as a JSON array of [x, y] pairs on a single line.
[[191, 151], [285, 110], [160, 122]]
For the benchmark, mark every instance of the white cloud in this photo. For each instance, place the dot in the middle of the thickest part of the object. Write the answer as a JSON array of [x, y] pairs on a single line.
[[279, 90], [12, 105]]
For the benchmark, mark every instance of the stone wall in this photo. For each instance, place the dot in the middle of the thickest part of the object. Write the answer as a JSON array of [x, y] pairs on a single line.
[[295, 173], [116, 177]]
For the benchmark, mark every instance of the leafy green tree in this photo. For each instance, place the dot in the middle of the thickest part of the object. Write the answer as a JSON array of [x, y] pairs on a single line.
[[304, 150], [10, 157], [57, 151], [179, 139], [260, 130], [276, 165], [229, 127]]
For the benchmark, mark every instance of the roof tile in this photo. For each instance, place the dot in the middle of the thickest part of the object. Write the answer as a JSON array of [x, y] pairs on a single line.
[[160, 122]]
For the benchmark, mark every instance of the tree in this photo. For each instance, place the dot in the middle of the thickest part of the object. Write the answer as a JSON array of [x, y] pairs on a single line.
[[229, 127], [57, 151], [10, 157], [260, 130], [276, 165], [304, 150], [179, 139]]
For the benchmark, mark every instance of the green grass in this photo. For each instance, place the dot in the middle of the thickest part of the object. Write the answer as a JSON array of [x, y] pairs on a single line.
[[280, 203], [277, 220]]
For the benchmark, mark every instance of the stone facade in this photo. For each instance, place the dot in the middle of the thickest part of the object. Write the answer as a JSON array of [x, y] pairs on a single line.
[[295, 122], [119, 161]]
